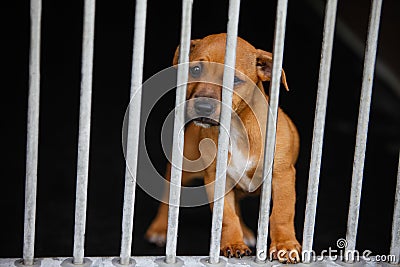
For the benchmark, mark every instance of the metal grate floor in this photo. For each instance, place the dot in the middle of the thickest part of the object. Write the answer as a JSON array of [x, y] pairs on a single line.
[[189, 261]]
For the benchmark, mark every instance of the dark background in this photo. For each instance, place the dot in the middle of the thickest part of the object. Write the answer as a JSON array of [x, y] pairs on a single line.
[[59, 107]]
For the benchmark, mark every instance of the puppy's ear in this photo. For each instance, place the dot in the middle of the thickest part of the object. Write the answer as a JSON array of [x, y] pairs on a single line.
[[264, 67], [193, 43]]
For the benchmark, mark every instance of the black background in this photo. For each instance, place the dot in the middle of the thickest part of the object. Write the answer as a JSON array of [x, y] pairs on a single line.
[[59, 107]]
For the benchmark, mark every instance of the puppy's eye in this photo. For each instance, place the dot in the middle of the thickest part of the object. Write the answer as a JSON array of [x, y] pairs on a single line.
[[195, 71], [237, 81]]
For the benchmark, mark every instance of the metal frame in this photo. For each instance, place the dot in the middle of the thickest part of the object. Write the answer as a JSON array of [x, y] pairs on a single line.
[[84, 132], [178, 134], [362, 128], [395, 243], [224, 130], [132, 141], [319, 125], [32, 143], [270, 137]]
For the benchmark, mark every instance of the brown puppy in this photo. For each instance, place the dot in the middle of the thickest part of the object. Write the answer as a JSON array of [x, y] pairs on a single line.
[[244, 173]]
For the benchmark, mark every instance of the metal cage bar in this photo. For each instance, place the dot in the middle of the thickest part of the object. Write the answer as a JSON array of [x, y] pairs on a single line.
[[178, 133], [395, 243], [270, 137], [224, 130], [84, 131], [319, 125], [362, 128], [32, 142], [132, 141]]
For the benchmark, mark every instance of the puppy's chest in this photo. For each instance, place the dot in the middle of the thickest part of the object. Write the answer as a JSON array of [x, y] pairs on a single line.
[[243, 164]]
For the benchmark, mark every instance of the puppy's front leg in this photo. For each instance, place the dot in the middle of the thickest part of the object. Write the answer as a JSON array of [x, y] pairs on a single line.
[[284, 245], [232, 243]]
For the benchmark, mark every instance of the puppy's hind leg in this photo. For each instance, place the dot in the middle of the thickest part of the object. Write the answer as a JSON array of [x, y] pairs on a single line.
[[248, 235], [157, 232]]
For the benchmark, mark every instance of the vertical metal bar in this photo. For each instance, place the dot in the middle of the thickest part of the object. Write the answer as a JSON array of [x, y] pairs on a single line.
[[270, 137], [178, 134], [224, 130], [362, 128], [84, 131], [395, 244], [32, 134], [132, 142], [319, 125]]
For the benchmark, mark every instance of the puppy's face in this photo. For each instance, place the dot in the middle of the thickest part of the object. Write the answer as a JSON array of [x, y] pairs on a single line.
[[206, 68]]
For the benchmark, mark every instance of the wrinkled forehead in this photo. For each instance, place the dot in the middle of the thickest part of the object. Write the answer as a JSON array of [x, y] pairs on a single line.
[[214, 51]]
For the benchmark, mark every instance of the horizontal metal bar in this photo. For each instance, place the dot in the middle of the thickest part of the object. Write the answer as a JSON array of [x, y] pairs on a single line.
[[224, 130], [395, 243], [270, 137], [319, 125], [188, 261], [32, 143], [178, 133], [84, 131], [362, 128], [132, 142]]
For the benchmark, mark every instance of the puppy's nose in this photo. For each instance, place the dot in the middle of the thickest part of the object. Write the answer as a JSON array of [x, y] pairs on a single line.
[[204, 107]]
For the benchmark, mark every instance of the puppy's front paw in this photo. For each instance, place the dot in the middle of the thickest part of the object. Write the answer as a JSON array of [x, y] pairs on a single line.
[[157, 234], [287, 251], [235, 250]]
